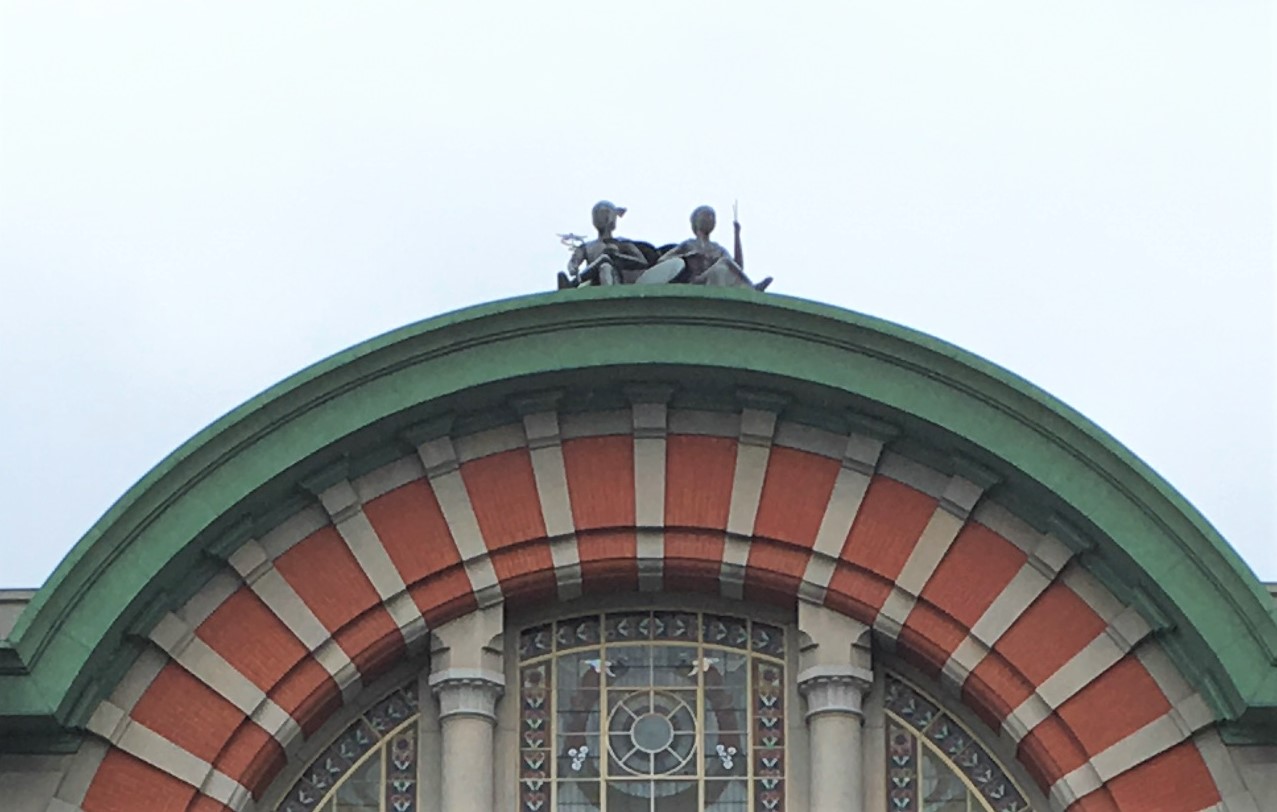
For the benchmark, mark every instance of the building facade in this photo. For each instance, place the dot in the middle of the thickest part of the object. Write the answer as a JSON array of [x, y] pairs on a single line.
[[663, 550]]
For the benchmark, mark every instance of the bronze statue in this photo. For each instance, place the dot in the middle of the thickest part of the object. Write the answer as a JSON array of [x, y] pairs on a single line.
[[606, 260], [609, 260], [700, 260]]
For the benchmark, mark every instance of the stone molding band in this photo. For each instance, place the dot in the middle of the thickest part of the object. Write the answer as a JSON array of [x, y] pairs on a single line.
[[834, 689], [467, 692]]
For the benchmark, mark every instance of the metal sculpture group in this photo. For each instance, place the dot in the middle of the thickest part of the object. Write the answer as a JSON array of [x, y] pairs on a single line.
[[609, 260]]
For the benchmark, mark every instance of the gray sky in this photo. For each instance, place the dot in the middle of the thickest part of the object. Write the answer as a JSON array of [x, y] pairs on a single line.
[[199, 199]]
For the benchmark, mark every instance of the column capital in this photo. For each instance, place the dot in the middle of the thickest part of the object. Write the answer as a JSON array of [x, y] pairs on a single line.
[[834, 689], [467, 692]]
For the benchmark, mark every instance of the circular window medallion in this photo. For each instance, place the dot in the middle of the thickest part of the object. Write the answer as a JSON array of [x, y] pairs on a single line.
[[652, 733]]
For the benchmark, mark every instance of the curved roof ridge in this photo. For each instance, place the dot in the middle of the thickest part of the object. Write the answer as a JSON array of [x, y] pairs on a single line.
[[191, 492]]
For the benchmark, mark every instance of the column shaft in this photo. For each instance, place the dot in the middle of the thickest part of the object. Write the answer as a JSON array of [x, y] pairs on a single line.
[[467, 722], [467, 763], [835, 763], [834, 695]]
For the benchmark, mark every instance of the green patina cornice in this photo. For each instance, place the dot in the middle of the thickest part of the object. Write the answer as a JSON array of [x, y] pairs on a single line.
[[163, 537]]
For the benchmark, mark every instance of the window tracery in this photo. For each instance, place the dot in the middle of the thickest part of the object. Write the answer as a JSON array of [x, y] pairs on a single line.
[[370, 767], [935, 765], [652, 712]]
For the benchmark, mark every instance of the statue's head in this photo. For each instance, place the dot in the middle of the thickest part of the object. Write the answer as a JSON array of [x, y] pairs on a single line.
[[605, 213], [703, 220]]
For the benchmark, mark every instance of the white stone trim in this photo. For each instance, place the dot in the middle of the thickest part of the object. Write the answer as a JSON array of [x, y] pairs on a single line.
[[467, 692], [365, 545], [649, 415], [389, 477], [1189, 709], [270, 585], [1025, 587], [129, 690], [1159, 666], [1050, 556], [936, 539], [1087, 587], [78, 776], [914, 474], [859, 458], [443, 469], [1006, 524], [960, 497], [1149, 741], [964, 659], [113, 724], [1127, 628], [1047, 558], [204, 663], [293, 529], [891, 618], [834, 689], [201, 606], [258, 571], [649, 464], [565, 557], [471, 447], [1235, 795], [548, 469], [545, 447], [802, 437], [704, 423], [731, 572], [1156, 737], [334, 659], [947, 520], [650, 554], [753, 450], [1083, 668], [346, 510], [403, 610], [1081, 782]]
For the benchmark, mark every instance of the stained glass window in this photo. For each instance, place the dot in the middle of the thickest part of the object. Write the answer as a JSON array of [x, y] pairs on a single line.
[[371, 767], [935, 765], [652, 712]]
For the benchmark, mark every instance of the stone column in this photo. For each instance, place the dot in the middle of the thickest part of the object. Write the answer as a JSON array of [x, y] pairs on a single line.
[[834, 675], [466, 677], [834, 719], [467, 719]]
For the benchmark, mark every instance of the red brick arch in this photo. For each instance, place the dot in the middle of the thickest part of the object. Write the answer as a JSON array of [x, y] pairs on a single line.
[[948, 627]]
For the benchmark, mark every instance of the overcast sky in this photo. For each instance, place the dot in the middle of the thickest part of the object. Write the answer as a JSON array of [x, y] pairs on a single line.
[[199, 199]]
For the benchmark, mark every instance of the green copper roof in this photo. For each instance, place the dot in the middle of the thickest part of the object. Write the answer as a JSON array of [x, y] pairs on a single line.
[[164, 537]]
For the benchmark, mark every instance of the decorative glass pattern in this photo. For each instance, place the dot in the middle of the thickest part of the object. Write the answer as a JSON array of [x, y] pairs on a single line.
[[935, 765], [652, 712], [371, 767]]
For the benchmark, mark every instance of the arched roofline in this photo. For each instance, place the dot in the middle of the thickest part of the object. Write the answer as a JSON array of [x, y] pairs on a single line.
[[168, 530]]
